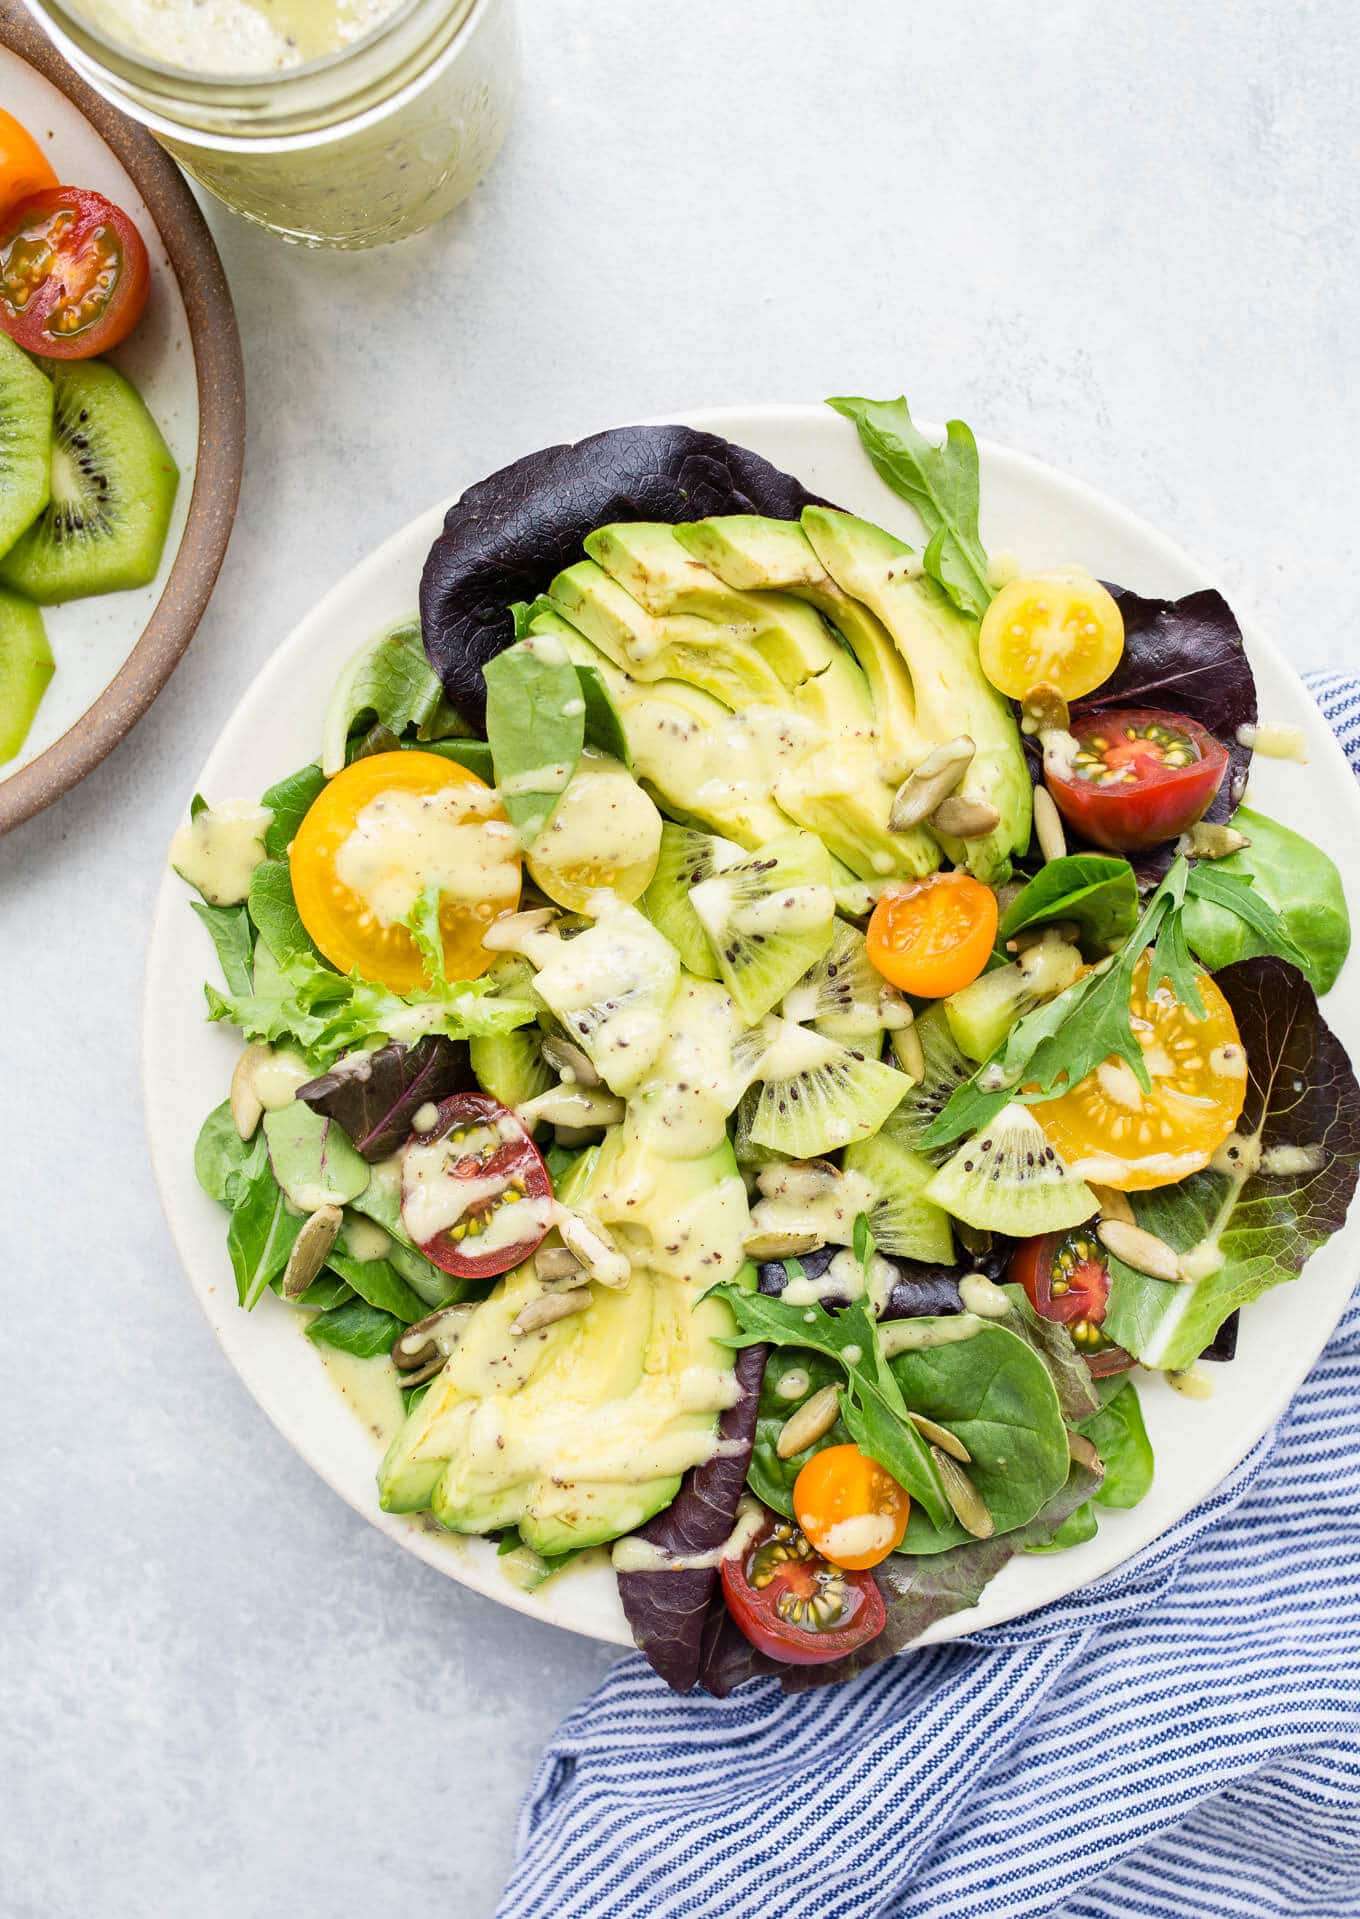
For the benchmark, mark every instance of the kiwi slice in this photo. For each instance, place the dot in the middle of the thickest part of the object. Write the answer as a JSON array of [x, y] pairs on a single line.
[[922, 1103], [25, 442], [843, 995], [902, 1219], [769, 916], [687, 858], [113, 487], [818, 1095], [510, 1065], [26, 666], [980, 1015], [1008, 1179]]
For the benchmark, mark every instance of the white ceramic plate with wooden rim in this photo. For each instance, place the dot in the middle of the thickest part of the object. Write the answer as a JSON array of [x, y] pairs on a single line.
[[1045, 518]]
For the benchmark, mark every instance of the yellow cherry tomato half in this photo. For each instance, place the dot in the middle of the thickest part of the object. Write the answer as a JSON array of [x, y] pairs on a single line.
[[1061, 629], [932, 937], [23, 164], [852, 1510], [376, 837], [1110, 1131]]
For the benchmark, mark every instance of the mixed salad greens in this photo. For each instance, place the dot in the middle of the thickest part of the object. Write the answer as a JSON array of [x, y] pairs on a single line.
[[761, 1034]]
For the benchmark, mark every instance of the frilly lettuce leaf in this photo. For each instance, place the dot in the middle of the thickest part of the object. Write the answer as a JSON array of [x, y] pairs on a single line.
[[1301, 1094]]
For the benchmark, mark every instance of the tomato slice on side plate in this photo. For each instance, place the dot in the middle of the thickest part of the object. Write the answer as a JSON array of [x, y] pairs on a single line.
[[1066, 1277], [796, 1606], [475, 1195], [1136, 778], [74, 275]]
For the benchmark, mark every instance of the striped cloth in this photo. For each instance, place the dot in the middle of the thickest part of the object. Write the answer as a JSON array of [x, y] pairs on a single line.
[[1182, 1739]]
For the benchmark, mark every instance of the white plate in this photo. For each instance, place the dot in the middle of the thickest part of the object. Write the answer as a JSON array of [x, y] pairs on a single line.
[[1046, 519]]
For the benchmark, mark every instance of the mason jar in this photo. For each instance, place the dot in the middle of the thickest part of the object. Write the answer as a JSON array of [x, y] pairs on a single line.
[[350, 149]]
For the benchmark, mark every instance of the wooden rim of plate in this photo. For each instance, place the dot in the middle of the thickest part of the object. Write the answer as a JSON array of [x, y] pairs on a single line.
[[220, 376]]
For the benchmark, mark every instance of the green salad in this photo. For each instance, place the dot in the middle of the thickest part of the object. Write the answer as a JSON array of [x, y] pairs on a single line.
[[765, 1035]]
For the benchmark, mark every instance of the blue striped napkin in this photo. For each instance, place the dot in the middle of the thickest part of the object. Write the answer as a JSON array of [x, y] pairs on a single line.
[[1181, 1739]]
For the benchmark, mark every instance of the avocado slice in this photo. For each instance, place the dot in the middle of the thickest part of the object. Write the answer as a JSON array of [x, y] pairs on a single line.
[[953, 696]]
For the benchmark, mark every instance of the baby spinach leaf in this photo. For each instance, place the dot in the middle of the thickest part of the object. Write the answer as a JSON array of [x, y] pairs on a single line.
[[603, 727], [261, 1233], [872, 1409], [325, 1291], [312, 1160], [1078, 1393], [770, 1477], [1294, 878], [994, 1392], [1075, 1530], [475, 755], [289, 802], [535, 723], [1299, 1150], [222, 1158], [374, 1096], [390, 681], [1096, 890], [274, 911], [229, 928], [1118, 1434], [378, 1282], [356, 1328], [941, 483]]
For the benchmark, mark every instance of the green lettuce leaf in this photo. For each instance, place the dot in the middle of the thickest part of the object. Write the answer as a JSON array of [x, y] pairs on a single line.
[[1296, 880], [1096, 890], [388, 681], [229, 928], [535, 723]]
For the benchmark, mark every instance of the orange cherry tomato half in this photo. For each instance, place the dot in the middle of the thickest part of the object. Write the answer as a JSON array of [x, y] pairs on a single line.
[[23, 164], [375, 838], [74, 275], [794, 1605], [1110, 1131], [934, 936], [852, 1510]]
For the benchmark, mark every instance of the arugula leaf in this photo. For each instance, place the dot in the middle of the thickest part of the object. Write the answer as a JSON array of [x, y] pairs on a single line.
[[1236, 894], [941, 483], [872, 1409], [261, 1233], [863, 1244], [1295, 877], [274, 911], [535, 723], [1266, 1219], [229, 928], [389, 678], [289, 801], [1171, 962], [356, 1328], [603, 727], [1096, 890]]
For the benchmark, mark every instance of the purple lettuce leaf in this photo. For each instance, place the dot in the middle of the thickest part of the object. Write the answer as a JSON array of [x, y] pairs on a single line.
[[917, 1591], [1180, 656], [919, 1288], [373, 1096], [508, 535], [667, 1610]]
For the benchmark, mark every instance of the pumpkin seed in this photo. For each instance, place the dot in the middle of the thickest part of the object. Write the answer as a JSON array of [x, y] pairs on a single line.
[[1114, 1205], [576, 1106], [547, 1309], [247, 1107], [555, 1263], [812, 1421], [781, 1245], [938, 774], [909, 1053], [505, 934], [942, 1437], [1048, 826], [1080, 1450], [426, 1344], [958, 818], [311, 1249], [1209, 840], [1140, 1249], [965, 1501], [568, 1061], [1044, 710], [595, 1249]]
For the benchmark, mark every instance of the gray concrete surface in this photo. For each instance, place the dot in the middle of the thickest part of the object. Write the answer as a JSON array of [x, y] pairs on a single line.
[[1120, 238]]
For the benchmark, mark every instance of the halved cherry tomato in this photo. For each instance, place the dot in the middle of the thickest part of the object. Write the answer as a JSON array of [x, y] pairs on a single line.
[[793, 1605], [23, 164], [1137, 778], [1066, 1277], [932, 937], [1061, 628], [74, 275], [475, 1194], [1110, 1131], [375, 837], [852, 1509]]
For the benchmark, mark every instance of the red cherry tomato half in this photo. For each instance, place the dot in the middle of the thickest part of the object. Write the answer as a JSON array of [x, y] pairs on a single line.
[[1137, 778], [1066, 1277], [475, 1195], [74, 275], [796, 1606]]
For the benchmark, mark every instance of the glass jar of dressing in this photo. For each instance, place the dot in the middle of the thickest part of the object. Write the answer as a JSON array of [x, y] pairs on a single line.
[[342, 123]]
